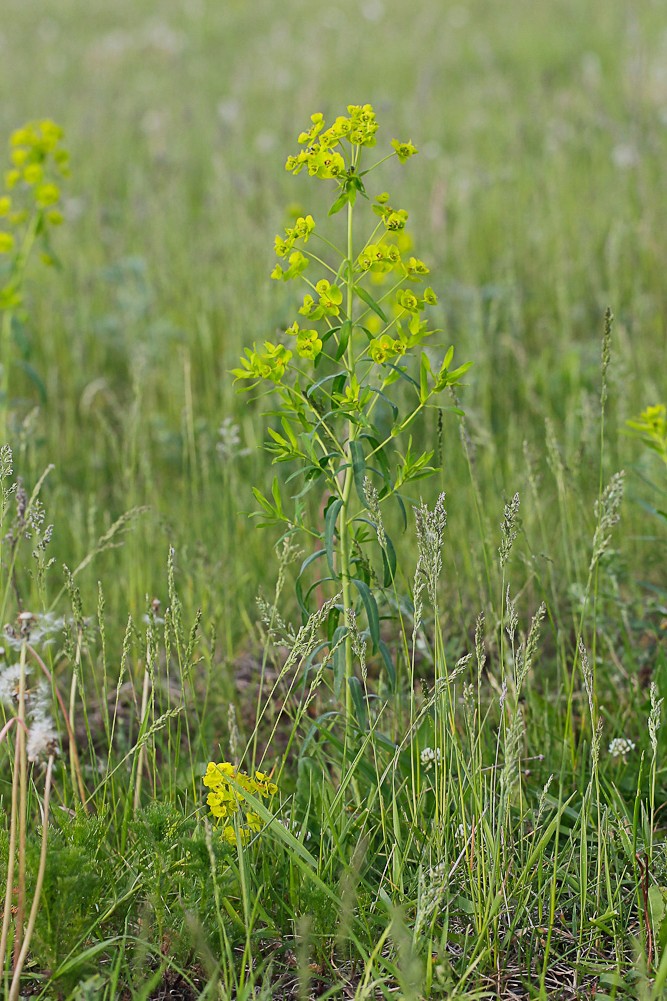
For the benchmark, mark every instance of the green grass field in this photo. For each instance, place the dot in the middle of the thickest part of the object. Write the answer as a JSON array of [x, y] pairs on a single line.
[[443, 828]]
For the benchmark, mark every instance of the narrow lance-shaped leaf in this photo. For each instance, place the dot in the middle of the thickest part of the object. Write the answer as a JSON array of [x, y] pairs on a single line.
[[371, 608], [359, 701], [359, 469], [330, 530], [370, 302], [298, 586], [389, 562], [343, 339]]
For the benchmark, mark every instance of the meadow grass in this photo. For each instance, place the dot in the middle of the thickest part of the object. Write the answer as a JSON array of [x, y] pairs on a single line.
[[480, 836]]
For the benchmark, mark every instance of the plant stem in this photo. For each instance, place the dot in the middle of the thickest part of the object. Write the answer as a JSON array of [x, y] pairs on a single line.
[[142, 750], [14, 991], [6, 328], [5, 342], [21, 764], [347, 486], [11, 858], [74, 755]]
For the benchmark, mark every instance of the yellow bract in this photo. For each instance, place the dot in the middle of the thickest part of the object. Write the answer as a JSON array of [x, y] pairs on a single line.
[[227, 784], [38, 161]]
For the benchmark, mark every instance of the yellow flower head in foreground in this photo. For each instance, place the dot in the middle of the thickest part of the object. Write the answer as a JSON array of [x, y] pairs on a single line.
[[29, 203], [225, 799]]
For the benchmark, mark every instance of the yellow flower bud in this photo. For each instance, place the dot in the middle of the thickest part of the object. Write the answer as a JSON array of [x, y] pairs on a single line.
[[47, 194], [33, 173]]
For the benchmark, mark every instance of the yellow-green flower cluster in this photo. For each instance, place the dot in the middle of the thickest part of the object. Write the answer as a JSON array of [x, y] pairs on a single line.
[[651, 427], [297, 263], [271, 363], [38, 161], [328, 303], [301, 230], [6, 239], [320, 156], [393, 219], [308, 342], [225, 800], [333, 151], [406, 304], [403, 150], [379, 258], [296, 266]]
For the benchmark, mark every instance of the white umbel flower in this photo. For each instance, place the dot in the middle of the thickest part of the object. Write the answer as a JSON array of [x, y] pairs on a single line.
[[429, 756], [620, 747]]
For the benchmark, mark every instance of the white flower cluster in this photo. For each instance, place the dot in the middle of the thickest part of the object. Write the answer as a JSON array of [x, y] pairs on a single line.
[[229, 443], [620, 747], [42, 733], [9, 683], [295, 828], [429, 756]]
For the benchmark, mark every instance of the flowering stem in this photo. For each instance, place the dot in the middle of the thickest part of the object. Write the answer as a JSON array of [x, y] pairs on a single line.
[[11, 857], [5, 341], [74, 755], [19, 267], [21, 764], [7, 727], [347, 486], [14, 990], [142, 721]]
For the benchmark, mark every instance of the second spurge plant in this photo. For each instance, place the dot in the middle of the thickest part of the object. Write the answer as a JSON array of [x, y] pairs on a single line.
[[361, 324]]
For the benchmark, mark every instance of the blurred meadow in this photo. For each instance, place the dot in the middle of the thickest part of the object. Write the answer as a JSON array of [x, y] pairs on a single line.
[[539, 194], [540, 199]]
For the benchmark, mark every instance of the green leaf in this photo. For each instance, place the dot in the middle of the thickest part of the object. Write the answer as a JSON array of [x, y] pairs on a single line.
[[371, 608], [390, 403], [404, 513], [274, 513], [322, 382], [370, 302], [287, 428], [354, 181], [275, 490], [35, 378], [662, 935], [447, 359], [389, 562], [379, 457], [315, 585], [359, 469], [399, 373], [332, 621], [388, 663], [329, 532], [657, 902], [338, 660], [298, 587], [264, 503], [359, 702], [343, 339], [424, 372], [341, 202], [84, 957]]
